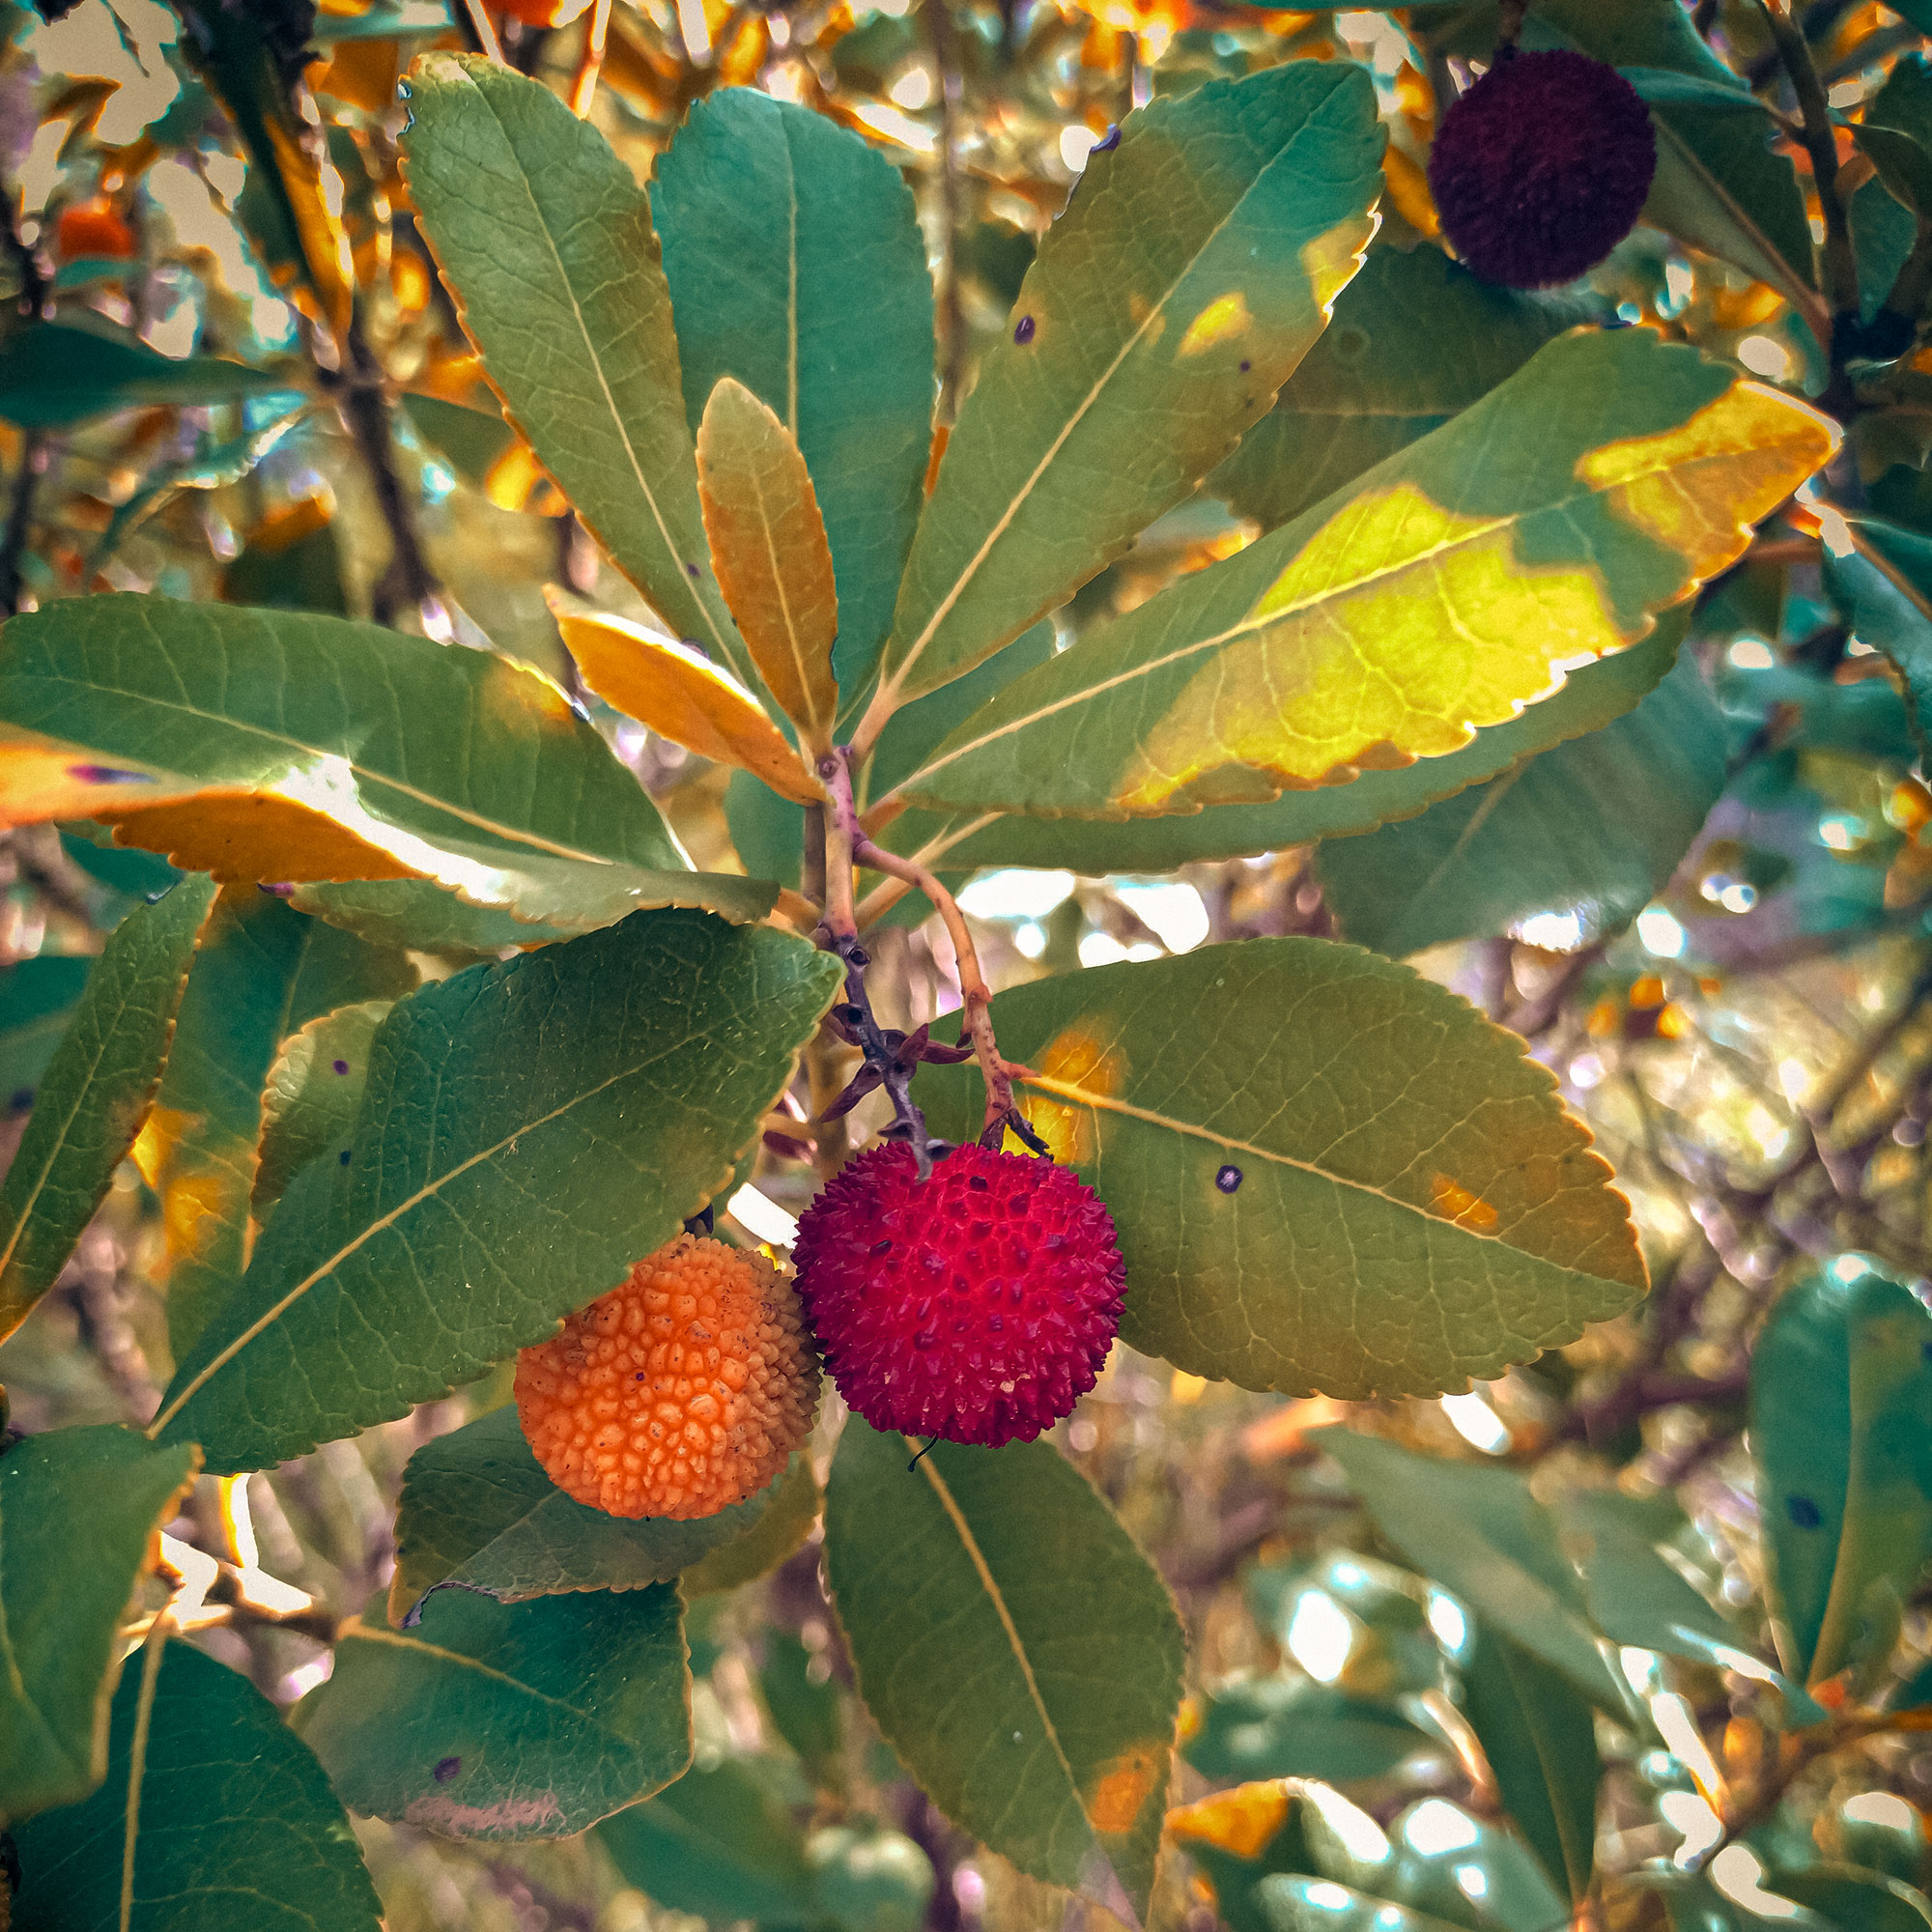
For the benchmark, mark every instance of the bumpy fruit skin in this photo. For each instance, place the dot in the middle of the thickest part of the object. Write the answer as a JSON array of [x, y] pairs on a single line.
[[977, 1305], [680, 1392], [1541, 168]]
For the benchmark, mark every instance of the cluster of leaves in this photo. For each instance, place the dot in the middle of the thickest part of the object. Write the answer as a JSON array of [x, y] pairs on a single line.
[[1238, 535]]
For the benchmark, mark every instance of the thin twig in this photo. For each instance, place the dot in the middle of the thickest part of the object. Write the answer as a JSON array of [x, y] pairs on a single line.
[[839, 934], [366, 410], [1837, 260], [483, 31]]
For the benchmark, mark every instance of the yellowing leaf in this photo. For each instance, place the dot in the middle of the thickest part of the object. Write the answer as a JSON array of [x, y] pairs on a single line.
[[253, 834], [1326, 1174], [1543, 528], [769, 550], [1193, 269], [684, 698], [1240, 1821]]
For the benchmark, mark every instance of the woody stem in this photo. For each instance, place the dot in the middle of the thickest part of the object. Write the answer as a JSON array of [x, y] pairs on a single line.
[[839, 934], [974, 991]]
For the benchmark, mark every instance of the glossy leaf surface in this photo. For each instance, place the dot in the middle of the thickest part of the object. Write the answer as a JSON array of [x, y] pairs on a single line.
[[1592, 695], [478, 1510], [684, 698], [1841, 1431], [493, 1720], [77, 1510], [330, 750], [230, 1822], [1582, 836], [768, 546], [1015, 1647], [1190, 274], [95, 1093], [1547, 524], [1415, 339], [1326, 1173], [263, 971], [546, 239], [781, 230], [527, 1133]]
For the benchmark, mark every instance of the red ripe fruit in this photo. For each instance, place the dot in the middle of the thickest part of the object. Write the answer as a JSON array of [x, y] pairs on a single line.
[[1541, 168], [976, 1305]]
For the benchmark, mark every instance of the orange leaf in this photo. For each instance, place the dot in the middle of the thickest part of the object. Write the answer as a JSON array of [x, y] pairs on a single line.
[[684, 698], [769, 550]]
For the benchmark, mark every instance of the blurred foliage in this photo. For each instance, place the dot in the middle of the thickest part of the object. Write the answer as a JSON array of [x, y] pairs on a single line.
[[1647, 1636]]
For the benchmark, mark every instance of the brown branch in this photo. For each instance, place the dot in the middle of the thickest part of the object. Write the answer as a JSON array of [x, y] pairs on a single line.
[[977, 996]]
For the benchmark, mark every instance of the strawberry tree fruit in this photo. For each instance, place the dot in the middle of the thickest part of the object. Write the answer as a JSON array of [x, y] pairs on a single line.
[[411, 1115]]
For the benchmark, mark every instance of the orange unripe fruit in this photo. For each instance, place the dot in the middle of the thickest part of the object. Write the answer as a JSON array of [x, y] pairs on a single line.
[[682, 1391]]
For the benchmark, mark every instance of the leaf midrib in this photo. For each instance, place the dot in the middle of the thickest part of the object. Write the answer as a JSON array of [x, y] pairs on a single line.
[[1285, 613], [897, 677], [596, 364], [1075, 1095], [430, 1190], [282, 741], [961, 1528]]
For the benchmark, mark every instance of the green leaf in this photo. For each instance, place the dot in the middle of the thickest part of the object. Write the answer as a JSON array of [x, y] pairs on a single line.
[[1539, 1734], [477, 1511], [1015, 1649], [718, 1844], [1292, 1903], [1842, 1433], [1480, 1534], [1591, 697], [1326, 1173], [781, 230], [54, 375], [496, 1720], [1880, 575], [99, 1088], [312, 1092], [527, 1133], [545, 238], [1547, 523], [263, 971], [38, 998], [420, 916], [1855, 1900], [1721, 186], [780, 1531], [213, 1814], [1191, 271], [340, 751], [1293, 1727], [78, 1507], [1634, 1597], [1586, 833], [806, 1711], [1415, 339]]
